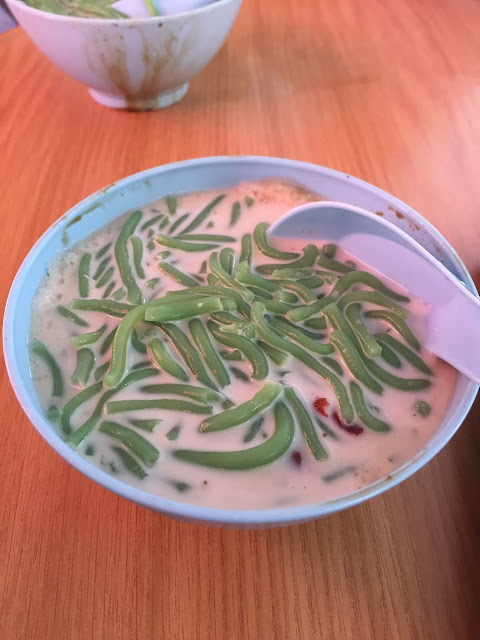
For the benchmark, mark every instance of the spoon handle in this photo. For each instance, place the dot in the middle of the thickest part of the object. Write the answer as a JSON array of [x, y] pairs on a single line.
[[453, 331], [453, 321]]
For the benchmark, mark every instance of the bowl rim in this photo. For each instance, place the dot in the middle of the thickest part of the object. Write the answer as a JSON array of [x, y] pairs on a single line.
[[184, 510], [127, 21]]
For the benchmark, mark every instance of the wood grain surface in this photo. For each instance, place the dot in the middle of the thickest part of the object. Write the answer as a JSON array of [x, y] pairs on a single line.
[[387, 91]]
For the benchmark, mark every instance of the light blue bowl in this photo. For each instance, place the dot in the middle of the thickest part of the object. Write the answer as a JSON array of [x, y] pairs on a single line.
[[195, 175]]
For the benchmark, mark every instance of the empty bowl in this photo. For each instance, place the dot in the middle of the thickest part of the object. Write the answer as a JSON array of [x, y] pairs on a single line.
[[137, 64]]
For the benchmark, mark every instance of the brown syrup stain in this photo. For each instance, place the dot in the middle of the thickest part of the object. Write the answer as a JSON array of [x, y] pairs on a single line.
[[441, 254], [93, 207], [402, 216], [398, 213], [108, 56], [414, 226]]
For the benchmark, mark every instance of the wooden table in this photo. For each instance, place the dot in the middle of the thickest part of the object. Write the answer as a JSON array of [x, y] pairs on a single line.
[[389, 92]]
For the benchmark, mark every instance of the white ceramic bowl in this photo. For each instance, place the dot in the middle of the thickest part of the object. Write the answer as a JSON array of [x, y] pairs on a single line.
[[131, 64], [193, 175]]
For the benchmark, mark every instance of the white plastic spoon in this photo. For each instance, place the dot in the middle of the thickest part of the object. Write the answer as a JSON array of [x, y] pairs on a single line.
[[453, 323]]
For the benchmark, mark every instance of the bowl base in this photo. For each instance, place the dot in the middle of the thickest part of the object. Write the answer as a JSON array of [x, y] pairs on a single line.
[[118, 101]]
